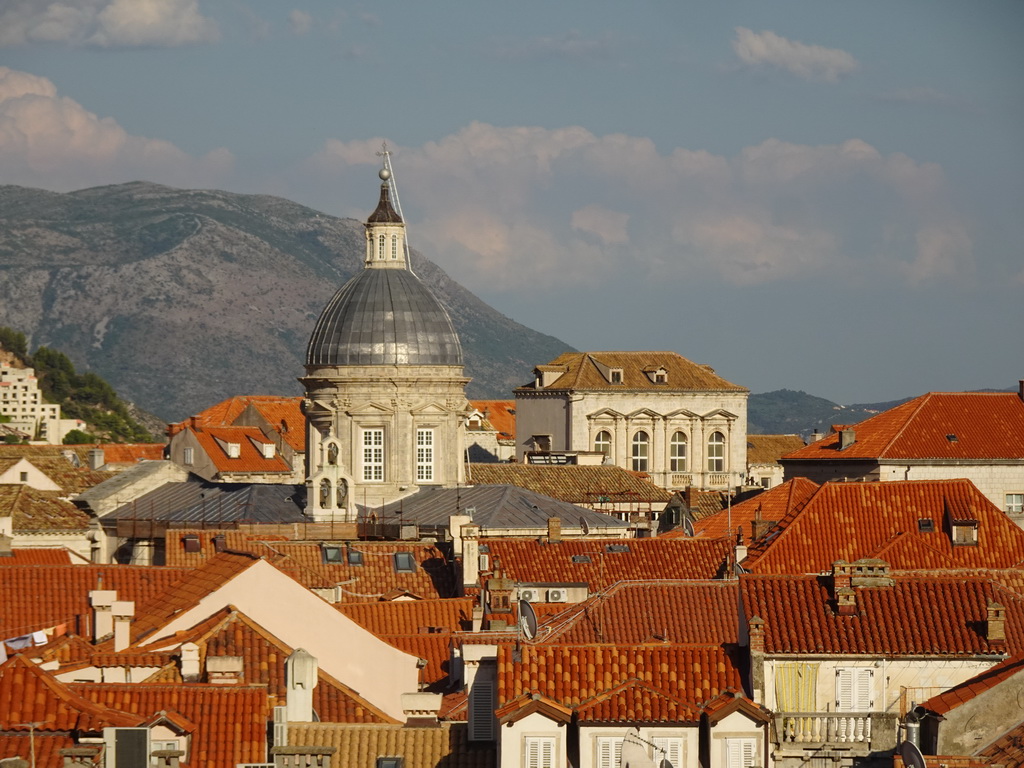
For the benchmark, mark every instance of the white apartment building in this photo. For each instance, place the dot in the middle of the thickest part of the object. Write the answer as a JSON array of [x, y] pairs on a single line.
[[21, 400]]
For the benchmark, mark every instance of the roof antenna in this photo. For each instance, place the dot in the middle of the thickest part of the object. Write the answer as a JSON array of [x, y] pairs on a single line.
[[387, 175]]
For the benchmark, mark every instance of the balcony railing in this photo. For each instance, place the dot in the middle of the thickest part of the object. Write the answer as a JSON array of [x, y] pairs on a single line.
[[825, 727], [718, 480]]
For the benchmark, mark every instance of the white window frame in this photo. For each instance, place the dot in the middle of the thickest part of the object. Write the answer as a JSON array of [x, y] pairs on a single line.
[[640, 460], [188, 456], [372, 439], [539, 751], [380, 247], [425, 455], [1014, 503], [669, 747], [740, 752], [716, 452], [603, 446], [855, 691], [677, 457], [608, 752]]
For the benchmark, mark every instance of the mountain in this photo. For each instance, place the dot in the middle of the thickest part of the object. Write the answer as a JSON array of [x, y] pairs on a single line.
[[181, 298], [786, 411]]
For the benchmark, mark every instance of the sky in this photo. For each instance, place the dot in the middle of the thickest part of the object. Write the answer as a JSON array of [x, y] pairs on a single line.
[[818, 196]]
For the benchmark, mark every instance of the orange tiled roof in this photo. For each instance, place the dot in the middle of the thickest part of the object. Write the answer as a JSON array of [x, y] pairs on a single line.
[[852, 521], [633, 613], [410, 617], [54, 462], [28, 694], [213, 441], [773, 504], [37, 597], [575, 484], [47, 747], [529, 561], [930, 615], [41, 556], [767, 449], [231, 721], [1007, 750], [967, 690], [575, 675], [582, 372], [985, 425], [176, 555], [284, 414], [34, 510], [500, 413], [129, 453]]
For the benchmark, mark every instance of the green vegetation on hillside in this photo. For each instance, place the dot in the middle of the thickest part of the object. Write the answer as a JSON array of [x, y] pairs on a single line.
[[84, 396]]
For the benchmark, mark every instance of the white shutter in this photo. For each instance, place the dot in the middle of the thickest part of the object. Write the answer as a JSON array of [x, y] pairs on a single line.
[[669, 749], [854, 689], [739, 753], [540, 752], [609, 752]]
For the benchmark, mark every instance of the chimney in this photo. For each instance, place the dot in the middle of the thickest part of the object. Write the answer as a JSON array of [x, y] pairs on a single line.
[[759, 526], [472, 560], [755, 634], [190, 662], [995, 626], [96, 459], [123, 611], [5, 545], [816, 435], [420, 709], [224, 670], [846, 601], [756, 631], [101, 601], [554, 529], [847, 437], [301, 677]]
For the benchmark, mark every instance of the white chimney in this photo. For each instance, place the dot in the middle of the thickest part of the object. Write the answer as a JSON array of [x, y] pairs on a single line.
[[123, 612], [224, 670], [190, 662], [301, 677], [101, 601]]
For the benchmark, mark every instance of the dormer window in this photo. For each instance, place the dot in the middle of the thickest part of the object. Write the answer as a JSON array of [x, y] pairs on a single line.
[[330, 554], [404, 562], [269, 450], [615, 376], [234, 450], [964, 533]]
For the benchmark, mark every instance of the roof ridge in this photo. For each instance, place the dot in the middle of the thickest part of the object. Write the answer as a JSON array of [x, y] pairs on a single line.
[[924, 399]]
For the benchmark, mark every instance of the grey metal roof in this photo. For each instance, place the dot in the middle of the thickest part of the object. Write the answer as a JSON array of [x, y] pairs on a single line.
[[122, 480], [494, 506], [384, 317], [196, 503]]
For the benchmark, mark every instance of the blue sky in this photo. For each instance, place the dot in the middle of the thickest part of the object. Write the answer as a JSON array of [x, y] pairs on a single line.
[[818, 196]]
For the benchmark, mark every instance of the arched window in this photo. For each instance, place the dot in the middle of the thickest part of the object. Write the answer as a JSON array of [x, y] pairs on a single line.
[[380, 248], [603, 442], [332, 454], [677, 452], [394, 246], [641, 444], [716, 452]]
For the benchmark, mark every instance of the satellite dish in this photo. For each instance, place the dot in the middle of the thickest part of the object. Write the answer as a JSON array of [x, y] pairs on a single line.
[[665, 763], [912, 757], [584, 526], [527, 620], [634, 753], [688, 527]]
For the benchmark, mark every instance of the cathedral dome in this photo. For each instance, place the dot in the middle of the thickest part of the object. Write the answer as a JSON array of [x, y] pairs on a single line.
[[384, 317]]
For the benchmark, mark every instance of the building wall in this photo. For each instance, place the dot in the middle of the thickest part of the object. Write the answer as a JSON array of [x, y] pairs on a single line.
[[25, 472], [21, 399], [689, 738], [993, 480], [980, 721], [736, 726], [541, 414]]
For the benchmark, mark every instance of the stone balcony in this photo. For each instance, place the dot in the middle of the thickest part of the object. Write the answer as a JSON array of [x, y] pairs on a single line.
[[849, 733]]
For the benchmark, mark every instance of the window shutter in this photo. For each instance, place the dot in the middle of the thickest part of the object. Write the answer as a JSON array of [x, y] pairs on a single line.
[[671, 750], [854, 689], [739, 753], [481, 710], [609, 752], [540, 752]]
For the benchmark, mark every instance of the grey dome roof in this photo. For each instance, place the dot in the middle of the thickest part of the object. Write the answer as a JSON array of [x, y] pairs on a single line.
[[384, 317]]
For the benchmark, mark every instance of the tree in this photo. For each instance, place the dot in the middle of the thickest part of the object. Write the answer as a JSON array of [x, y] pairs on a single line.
[[14, 341], [78, 437]]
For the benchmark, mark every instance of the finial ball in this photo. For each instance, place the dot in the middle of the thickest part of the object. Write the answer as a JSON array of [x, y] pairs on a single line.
[[384, 174]]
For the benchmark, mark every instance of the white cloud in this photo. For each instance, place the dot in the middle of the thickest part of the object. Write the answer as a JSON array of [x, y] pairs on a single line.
[[810, 62], [106, 23], [51, 141], [508, 207], [300, 22]]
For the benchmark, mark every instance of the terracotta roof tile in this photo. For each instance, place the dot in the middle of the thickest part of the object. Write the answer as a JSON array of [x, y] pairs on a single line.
[[1007, 750], [767, 449], [851, 521], [284, 414], [582, 372], [41, 556], [37, 597], [596, 487], [250, 459], [574, 675], [633, 613], [47, 747], [500, 413], [34, 510], [531, 561], [126, 453], [231, 721], [929, 614], [446, 745], [985, 425], [967, 690], [771, 505], [409, 617]]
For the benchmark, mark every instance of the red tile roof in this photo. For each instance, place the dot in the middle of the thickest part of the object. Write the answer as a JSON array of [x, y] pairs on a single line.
[[531, 561], [231, 721], [613, 683], [28, 694], [176, 555], [284, 414], [967, 690], [410, 617], [126, 453], [54, 462], [597, 487], [1007, 750], [42, 556], [47, 747], [214, 441], [851, 521], [774, 504], [500, 413], [985, 425], [581, 372], [37, 597], [929, 615], [634, 613], [33, 511]]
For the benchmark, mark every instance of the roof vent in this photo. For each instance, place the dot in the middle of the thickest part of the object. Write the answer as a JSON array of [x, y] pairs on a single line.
[[578, 559], [925, 525], [617, 548], [951, 438]]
